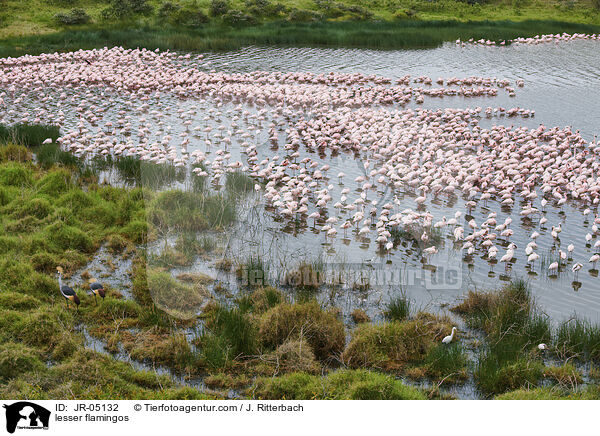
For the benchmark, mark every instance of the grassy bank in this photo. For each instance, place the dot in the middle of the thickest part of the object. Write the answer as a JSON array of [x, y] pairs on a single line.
[[45, 25], [405, 35]]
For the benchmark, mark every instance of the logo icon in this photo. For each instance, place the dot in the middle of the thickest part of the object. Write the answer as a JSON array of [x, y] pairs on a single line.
[[26, 415]]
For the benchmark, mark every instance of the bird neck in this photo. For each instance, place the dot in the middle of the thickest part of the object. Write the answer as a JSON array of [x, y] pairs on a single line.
[[59, 280], [452, 334]]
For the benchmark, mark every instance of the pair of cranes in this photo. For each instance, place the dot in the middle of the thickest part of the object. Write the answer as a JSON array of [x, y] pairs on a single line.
[[71, 296]]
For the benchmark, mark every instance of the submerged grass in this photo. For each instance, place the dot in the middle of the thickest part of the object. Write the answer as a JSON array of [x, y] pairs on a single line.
[[253, 273], [238, 183], [578, 338], [183, 211], [30, 135]]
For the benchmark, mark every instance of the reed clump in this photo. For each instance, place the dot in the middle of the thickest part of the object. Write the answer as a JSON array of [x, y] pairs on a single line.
[[514, 328], [398, 309], [392, 346], [303, 321], [238, 183]]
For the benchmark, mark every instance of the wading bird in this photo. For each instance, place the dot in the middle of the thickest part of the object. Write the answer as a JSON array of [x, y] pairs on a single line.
[[575, 268], [97, 289], [67, 291], [450, 337]]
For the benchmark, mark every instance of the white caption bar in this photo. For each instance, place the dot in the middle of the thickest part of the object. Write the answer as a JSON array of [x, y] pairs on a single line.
[[148, 418]]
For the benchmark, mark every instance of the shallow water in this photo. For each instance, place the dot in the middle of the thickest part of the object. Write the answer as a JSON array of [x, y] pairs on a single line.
[[560, 80], [559, 83]]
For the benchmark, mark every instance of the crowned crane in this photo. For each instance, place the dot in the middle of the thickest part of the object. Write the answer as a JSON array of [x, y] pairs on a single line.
[[97, 289], [67, 291]]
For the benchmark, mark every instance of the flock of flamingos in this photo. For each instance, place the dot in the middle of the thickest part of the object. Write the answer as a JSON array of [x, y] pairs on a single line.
[[538, 39], [282, 128]]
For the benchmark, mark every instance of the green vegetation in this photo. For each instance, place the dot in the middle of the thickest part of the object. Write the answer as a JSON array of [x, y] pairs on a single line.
[[446, 361], [552, 393], [190, 211], [398, 309], [392, 346], [339, 385], [321, 329], [91, 375], [52, 215], [238, 183], [307, 278], [578, 338], [510, 359], [175, 298], [253, 273], [30, 135], [40, 16], [206, 25], [235, 329]]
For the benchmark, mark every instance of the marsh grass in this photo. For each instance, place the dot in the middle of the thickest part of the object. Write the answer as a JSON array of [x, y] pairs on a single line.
[[30, 135], [198, 183], [578, 338], [494, 375], [344, 384], [175, 298], [307, 278], [514, 328], [398, 309], [238, 183], [322, 329], [189, 245], [509, 309], [14, 153], [447, 361], [49, 155], [567, 375], [215, 37], [149, 174], [393, 345], [253, 272], [88, 374], [229, 334], [260, 300], [183, 211]]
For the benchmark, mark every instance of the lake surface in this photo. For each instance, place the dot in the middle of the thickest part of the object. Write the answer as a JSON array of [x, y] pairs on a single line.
[[561, 83]]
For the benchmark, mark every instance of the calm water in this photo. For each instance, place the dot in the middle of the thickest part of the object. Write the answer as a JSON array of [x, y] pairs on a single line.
[[560, 81]]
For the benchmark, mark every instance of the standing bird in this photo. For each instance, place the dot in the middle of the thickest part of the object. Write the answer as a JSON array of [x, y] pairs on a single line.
[[97, 289], [594, 259], [449, 338], [575, 268], [67, 291]]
